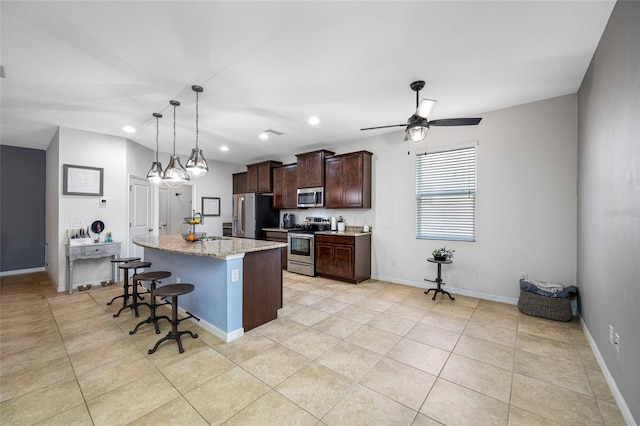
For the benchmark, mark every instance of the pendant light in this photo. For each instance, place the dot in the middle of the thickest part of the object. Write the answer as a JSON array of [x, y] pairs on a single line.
[[175, 175], [197, 165], [156, 174]]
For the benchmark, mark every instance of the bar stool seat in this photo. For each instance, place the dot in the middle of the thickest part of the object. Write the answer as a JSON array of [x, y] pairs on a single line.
[[116, 262], [173, 291], [134, 296], [154, 277]]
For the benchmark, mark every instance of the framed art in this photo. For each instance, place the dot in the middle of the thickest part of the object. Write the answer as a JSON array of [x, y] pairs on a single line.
[[82, 180], [210, 206]]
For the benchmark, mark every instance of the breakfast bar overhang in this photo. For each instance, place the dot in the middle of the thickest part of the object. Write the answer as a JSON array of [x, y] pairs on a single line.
[[238, 281]]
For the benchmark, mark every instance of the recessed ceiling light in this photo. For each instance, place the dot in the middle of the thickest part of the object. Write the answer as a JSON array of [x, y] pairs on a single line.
[[263, 136], [129, 129], [313, 120], [224, 148]]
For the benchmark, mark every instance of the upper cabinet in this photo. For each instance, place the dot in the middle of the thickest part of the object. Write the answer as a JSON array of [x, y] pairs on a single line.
[[348, 181], [239, 183], [285, 187], [260, 176], [310, 170]]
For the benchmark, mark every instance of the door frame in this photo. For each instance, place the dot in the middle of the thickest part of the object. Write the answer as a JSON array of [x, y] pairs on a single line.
[[153, 209]]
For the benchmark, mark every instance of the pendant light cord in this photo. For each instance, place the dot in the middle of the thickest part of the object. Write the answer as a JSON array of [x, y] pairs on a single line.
[[174, 130], [157, 133], [196, 120]]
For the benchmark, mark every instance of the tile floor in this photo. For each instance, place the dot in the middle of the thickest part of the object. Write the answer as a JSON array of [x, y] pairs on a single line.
[[339, 354]]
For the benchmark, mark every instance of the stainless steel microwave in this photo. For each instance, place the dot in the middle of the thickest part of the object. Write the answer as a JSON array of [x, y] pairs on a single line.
[[311, 197]]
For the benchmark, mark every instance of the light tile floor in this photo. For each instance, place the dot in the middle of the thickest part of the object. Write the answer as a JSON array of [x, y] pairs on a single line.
[[339, 354]]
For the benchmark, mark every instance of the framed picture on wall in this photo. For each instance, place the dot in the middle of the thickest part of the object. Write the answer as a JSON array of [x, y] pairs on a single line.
[[210, 206], [82, 180]]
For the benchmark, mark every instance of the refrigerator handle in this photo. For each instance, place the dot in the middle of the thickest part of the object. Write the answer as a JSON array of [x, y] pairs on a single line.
[[241, 216]]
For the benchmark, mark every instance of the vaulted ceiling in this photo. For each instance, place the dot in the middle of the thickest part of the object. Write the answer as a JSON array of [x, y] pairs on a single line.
[[102, 65]]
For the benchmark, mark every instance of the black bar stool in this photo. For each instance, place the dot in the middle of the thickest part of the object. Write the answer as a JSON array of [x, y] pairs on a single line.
[[134, 296], [155, 278], [173, 291], [116, 262]]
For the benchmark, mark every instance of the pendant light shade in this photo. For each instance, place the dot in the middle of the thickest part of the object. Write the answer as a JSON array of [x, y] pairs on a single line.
[[156, 174], [197, 166], [175, 175]]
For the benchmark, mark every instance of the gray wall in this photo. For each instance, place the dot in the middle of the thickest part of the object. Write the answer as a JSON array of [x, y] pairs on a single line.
[[608, 265], [22, 208]]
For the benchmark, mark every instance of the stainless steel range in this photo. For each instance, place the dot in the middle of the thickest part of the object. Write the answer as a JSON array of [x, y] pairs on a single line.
[[301, 251]]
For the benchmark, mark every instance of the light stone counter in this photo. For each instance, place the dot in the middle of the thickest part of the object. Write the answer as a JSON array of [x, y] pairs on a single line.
[[221, 247]]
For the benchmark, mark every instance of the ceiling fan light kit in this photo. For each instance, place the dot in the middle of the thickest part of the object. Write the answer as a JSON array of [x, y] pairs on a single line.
[[196, 165], [418, 124], [175, 175], [156, 174]]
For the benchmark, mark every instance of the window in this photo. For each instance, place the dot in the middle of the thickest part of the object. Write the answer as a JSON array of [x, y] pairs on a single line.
[[446, 195]]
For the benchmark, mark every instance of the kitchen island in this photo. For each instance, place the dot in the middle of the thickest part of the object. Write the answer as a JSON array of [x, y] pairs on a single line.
[[238, 281]]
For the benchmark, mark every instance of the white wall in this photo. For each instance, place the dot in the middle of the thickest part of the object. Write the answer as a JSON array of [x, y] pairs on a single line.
[[526, 211], [79, 147], [218, 182]]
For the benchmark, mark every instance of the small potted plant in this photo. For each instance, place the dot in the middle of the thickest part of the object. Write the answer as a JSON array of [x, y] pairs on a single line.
[[442, 253]]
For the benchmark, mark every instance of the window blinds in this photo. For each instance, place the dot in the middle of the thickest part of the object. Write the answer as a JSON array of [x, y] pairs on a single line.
[[446, 195]]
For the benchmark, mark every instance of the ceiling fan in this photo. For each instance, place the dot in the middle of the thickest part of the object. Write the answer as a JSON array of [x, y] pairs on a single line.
[[418, 124]]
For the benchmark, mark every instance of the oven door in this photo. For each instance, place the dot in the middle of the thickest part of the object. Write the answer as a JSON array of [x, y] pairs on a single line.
[[301, 248]]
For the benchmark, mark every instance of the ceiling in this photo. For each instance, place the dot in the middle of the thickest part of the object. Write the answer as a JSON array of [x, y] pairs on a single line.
[[99, 66]]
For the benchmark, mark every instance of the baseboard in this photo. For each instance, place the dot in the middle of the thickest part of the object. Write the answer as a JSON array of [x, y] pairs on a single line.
[[452, 290], [222, 335], [622, 405], [21, 271]]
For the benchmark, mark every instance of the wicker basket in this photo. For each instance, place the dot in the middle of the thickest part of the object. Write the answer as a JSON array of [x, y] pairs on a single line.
[[554, 308]]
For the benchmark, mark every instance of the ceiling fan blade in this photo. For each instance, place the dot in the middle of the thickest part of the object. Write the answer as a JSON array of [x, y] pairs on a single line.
[[384, 127], [455, 122], [425, 108]]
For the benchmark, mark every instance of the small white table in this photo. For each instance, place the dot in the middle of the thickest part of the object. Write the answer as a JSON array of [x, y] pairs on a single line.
[[89, 251]]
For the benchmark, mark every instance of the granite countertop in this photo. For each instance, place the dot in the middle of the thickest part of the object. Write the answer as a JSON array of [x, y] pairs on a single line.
[[221, 247], [279, 229]]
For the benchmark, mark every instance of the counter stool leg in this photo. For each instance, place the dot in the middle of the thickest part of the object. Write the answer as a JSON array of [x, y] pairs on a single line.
[[135, 303], [152, 317], [125, 296], [174, 333]]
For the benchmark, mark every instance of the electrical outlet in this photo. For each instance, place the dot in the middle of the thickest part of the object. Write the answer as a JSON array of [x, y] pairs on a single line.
[[617, 343], [75, 222], [524, 276], [178, 280], [611, 334], [235, 275]]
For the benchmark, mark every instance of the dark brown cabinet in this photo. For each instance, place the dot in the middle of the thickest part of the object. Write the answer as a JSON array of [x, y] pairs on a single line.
[[240, 183], [260, 177], [285, 187], [281, 237], [348, 181], [344, 257], [310, 170]]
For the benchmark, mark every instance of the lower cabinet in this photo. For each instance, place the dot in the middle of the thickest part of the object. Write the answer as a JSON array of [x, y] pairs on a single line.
[[344, 257], [281, 237]]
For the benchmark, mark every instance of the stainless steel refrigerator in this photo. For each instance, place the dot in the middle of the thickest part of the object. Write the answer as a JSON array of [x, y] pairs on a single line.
[[251, 213]]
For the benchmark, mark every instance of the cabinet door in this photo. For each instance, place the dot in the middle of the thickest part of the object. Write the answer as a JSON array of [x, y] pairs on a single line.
[[279, 188], [343, 261], [324, 258], [252, 178], [352, 180], [310, 172], [264, 177], [290, 187], [240, 183], [333, 192]]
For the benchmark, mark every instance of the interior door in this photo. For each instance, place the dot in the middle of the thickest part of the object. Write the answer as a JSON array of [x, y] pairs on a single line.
[[139, 213]]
